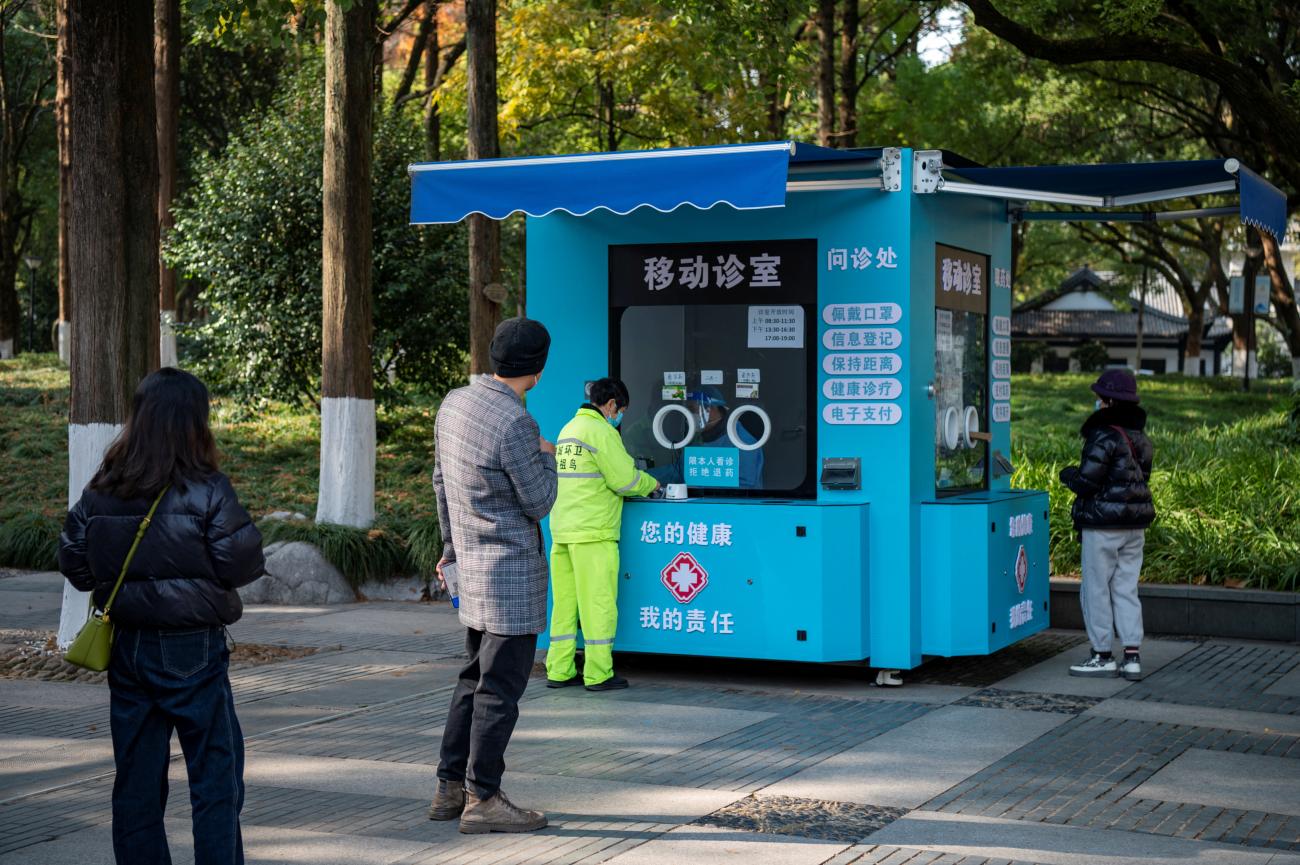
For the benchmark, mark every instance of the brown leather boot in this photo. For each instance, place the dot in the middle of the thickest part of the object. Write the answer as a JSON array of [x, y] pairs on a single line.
[[448, 801], [497, 814]]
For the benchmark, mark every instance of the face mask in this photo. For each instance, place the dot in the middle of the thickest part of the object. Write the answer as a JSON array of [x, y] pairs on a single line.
[[616, 420], [1097, 405]]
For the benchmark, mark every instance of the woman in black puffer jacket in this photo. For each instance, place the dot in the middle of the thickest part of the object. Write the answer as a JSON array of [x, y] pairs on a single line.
[[169, 666], [1112, 510]]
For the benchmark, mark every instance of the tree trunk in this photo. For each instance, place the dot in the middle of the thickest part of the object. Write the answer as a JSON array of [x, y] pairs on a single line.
[[113, 232], [484, 233], [64, 338], [848, 118], [10, 317], [347, 464], [432, 118], [427, 24], [1195, 330], [826, 73], [167, 68], [1243, 325], [1284, 300]]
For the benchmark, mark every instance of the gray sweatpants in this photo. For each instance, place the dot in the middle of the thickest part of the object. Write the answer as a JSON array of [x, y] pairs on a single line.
[[1112, 561]]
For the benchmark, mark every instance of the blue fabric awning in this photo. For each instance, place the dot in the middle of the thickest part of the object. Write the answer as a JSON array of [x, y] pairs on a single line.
[[744, 176], [1116, 185]]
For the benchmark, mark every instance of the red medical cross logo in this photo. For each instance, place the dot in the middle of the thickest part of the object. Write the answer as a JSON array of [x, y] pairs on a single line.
[[684, 577], [1022, 569]]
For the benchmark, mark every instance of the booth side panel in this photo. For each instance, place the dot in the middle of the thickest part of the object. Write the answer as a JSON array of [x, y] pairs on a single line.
[[788, 586]]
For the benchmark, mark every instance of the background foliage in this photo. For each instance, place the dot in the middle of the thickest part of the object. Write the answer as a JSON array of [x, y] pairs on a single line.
[[249, 230]]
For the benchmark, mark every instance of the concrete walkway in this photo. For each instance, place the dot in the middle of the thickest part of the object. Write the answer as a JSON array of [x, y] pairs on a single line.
[[1003, 760]]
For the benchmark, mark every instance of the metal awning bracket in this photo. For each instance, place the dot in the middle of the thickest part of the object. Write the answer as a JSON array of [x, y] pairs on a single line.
[[891, 169], [927, 171]]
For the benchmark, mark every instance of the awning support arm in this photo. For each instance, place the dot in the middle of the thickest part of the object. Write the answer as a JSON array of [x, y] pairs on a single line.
[[1021, 215]]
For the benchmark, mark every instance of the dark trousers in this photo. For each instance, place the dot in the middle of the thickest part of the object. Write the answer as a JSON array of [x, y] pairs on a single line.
[[162, 681], [484, 709]]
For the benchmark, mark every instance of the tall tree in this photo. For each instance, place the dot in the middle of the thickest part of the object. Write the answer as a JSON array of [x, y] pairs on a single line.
[[27, 72], [167, 80], [347, 462], [1189, 255], [485, 289], [113, 232], [63, 336], [826, 72], [1245, 53]]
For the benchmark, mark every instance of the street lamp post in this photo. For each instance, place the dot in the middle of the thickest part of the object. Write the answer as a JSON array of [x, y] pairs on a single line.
[[32, 263]]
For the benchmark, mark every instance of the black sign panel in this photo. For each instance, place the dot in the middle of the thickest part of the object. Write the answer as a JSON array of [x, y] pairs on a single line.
[[730, 272]]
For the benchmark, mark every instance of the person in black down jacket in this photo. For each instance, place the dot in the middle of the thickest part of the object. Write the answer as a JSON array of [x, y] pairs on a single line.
[[169, 664], [1112, 509]]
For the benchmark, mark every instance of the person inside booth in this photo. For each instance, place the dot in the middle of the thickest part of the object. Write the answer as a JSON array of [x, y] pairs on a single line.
[[711, 412]]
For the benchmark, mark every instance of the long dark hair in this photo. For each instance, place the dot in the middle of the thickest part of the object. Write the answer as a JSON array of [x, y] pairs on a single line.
[[166, 439]]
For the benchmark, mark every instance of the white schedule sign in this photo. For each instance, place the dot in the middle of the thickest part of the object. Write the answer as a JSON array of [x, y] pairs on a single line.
[[776, 327]]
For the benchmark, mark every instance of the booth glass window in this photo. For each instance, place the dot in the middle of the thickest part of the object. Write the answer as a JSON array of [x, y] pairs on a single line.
[[961, 370], [715, 344]]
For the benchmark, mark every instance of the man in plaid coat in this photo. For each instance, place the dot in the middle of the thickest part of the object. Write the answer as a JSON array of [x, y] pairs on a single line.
[[494, 476]]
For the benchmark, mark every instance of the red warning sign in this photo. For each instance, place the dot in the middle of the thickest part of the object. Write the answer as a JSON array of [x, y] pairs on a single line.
[[684, 577]]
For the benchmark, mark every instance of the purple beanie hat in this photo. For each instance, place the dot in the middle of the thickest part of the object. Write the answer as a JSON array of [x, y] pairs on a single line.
[[1117, 384]]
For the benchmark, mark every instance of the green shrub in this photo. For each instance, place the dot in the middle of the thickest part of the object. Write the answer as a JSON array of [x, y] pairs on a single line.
[[360, 554], [1092, 356], [30, 541], [249, 231]]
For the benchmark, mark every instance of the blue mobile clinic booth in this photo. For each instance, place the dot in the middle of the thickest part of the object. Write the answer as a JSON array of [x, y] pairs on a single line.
[[817, 343]]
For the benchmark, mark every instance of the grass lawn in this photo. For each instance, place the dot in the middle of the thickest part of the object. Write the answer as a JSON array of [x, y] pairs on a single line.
[[1226, 478]]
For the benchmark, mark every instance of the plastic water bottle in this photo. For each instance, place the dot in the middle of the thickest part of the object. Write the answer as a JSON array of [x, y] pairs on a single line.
[[451, 576]]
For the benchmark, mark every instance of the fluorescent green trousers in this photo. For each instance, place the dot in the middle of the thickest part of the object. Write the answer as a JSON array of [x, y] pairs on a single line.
[[584, 588]]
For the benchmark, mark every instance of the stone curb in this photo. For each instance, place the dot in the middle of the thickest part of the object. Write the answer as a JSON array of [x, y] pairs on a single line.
[[1197, 611]]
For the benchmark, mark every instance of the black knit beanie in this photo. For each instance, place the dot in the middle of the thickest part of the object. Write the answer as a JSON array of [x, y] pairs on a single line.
[[519, 347]]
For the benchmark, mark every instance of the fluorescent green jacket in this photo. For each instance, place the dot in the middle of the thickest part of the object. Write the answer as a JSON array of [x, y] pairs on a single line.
[[595, 474]]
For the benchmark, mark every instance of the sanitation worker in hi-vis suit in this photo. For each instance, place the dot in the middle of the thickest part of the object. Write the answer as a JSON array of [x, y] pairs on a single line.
[[595, 475]]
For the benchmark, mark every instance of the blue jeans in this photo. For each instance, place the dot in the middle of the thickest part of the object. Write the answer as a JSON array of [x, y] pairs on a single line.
[[162, 681]]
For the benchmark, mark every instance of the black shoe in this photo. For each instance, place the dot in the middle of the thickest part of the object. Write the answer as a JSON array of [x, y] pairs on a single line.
[[613, 683], [565, 683]]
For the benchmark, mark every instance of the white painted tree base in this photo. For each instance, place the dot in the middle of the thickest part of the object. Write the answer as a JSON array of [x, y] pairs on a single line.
[[1295, 371], [6, 349], [167, 338], [1192, 367], [347, 462], [65, 341], [86, 446]]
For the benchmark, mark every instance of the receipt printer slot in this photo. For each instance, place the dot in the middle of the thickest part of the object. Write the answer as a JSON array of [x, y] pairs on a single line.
[[841, 473]]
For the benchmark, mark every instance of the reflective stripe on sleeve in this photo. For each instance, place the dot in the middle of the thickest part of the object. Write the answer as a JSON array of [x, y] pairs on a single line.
[[636, 479], [579, 474], [574, 441]]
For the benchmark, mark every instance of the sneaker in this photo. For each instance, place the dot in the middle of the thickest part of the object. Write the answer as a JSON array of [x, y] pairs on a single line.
[[564, 683], [448, 801], [1131, 667], [613, 683], [497, 814], [1095, 667]]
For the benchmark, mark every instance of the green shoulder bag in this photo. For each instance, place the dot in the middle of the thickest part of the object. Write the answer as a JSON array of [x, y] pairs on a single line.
[[94, 643]]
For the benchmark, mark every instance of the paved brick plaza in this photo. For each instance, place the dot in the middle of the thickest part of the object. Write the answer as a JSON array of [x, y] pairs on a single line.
[[990, 760]]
